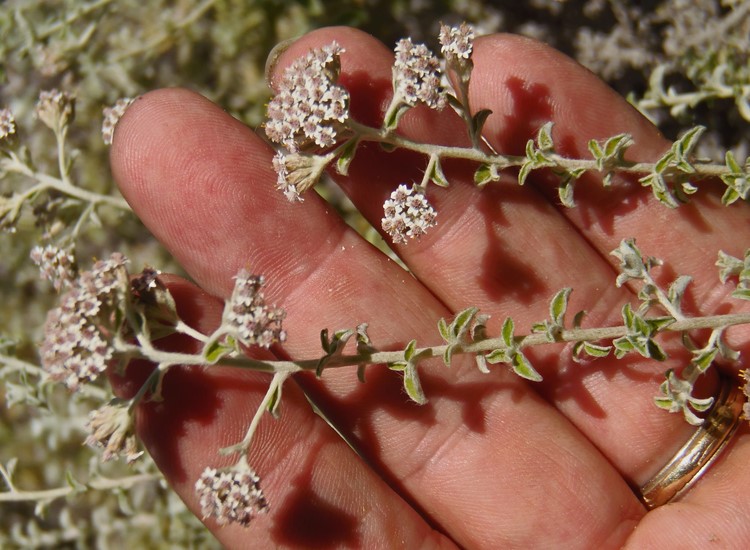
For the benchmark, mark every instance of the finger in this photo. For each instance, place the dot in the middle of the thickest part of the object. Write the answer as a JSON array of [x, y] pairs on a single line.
[[508, 250], [203, 185], [524, 95], [709, 512], [204, 410]]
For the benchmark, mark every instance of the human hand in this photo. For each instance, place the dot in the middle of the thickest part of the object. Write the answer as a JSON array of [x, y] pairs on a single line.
[[491, 461]]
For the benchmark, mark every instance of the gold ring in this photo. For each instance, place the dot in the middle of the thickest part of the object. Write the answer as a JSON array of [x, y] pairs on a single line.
[[701, 450]]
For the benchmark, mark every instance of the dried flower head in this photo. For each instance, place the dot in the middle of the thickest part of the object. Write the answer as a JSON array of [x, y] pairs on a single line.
[[112, 116], [250, 320], [407, 214], [298, 172], [309, 107], [231, 495], [55, 265], [55, 109], [76, 347], [456, 43], [745, 374], [416, 75], [7, 124], [111, 428]]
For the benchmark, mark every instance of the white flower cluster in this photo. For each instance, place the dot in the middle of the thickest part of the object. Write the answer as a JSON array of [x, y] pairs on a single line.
[[297, 172], [111, 428], [7, 124], [456, 43], [231, 495], [112, 116], [309, 107], [416, 75], [55, 265], [251, 321], [407, 214], [76, 348]]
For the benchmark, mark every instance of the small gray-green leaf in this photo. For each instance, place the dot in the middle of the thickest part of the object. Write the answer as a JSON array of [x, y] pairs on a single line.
[[274, 402], [413, 386], [523, 368], [392, 122], [215, 350], [481, 363], [444, 330], [677, 290], [409, 351], [559, 305], [596, 350], [460, 325], [507, 332], [437, 175], [448, 354], [346, 156], [478, 120], [544, 138], [483, 175], [498, 356]]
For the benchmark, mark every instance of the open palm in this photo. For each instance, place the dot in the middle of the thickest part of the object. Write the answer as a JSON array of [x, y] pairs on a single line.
[[491, 461]]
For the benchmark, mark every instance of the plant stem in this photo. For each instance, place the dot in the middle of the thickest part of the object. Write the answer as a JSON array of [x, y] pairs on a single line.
[[366, 133]]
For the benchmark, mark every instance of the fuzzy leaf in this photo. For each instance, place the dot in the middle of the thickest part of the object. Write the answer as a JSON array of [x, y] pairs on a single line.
[[460, 325], [704, 359], [523, 368], [444, 330], [728, 266], [395, 115], [412, 385], [448, 354], [481, 363], [436, 174], [215, 350], [410, 349], [595, 350], [507, 332], [346, 156], [544, 137], [478, 120], [741, 293], [677, 290], [483, 175], [274, 402], [559, 305], [498, 356], [565, 193]]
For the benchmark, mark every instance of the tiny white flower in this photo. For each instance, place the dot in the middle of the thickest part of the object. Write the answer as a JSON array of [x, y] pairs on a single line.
[[112, 116], [456, 43], [231, 495], [408, 214], [7, 124], [416, 75], [309, 109]]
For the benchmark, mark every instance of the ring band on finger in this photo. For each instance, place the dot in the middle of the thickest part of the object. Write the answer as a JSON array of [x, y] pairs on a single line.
[[700, 451]]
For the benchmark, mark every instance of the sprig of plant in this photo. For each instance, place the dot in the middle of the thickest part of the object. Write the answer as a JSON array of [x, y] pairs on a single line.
[[143, 310], [308, 149], [50, 197]]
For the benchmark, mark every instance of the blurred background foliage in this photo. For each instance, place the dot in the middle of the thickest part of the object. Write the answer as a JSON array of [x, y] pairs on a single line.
[[682, 62]]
